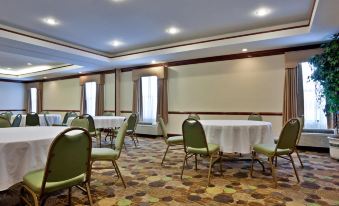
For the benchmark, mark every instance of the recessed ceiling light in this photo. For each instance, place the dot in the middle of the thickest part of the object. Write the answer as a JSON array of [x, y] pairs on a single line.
[[172, 30], [118, 0], [154, 62], [50, 21], [9, 68], [45, 77], [80, 72], [262, 12], [29, 64], [116, 43], [244, 50]]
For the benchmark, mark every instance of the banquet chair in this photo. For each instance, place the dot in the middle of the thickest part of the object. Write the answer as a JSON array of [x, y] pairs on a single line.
[[301, 119], [83, 123], [108, 130], [132, 125], [46, 120], [91, 128], [285, 147], [17, 121], [193, 116], [195, 143], [4, 123], [170, 141], [112, 155], [32, 119], [255, 117], [66, 117], [68, 165], [6, 115]]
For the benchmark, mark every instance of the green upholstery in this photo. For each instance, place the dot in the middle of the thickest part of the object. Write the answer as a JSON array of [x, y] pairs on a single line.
[[108, 154], [46, 120], [269, 150], [6, 115], [91, 126], [34, 180], [17, 121], [195, 144], [32, 119], [212, 148], [175, 140], [255, 117], [4, 123], [83, 123], [132, 122], [68, 164], [169, 140], [193, 116]]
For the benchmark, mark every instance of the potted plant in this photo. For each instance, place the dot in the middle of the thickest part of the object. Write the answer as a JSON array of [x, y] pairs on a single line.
[[326, 72]]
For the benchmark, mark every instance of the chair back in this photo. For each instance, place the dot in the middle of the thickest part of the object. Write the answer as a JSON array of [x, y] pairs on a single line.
[[83, 123], [255, 117], [4, 123], [289, 135], [91, 125], [132, 122], [107, 114], [6, 115], [32, 119], [163, 128], [119, 141], [46, 120], [194, 134], [68, 157], [69, 115], [17, 121], [302, 120], [193, 116], [64, 120]]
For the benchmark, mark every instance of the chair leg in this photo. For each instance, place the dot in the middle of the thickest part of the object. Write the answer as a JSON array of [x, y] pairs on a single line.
[[295, 170], [301, 163], [89, 194], [220, 163], [132, 137], [253, 159], [183, 166], [119, 173], [209, 170], [136, 137], [34, 196], [70, 196], [273, 171], [163, 159], [196, 162]]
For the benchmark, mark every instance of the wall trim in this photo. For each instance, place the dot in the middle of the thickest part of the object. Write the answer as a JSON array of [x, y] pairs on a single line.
[[226, 113], [62, 110]]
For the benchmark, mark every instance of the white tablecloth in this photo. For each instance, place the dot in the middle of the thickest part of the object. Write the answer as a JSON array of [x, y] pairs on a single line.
[[52, 119], [237, 135], [101, 122], [23, 149]]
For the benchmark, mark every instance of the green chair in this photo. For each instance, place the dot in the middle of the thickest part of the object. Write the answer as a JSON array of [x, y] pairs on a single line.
[[255, 117], [32, 119], [285, 147], [68, 165], [67, 115], [6, 115], [91, 128], [195, 143], [112, 155], [17, 121], [193, 116], [170, 141], [132, 125], [4, 123], [46, 120], [82, 123]]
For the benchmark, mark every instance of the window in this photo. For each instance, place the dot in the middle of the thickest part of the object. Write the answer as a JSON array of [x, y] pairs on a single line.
[[34, 100], [313, 105], [149, 91], [91, 90]]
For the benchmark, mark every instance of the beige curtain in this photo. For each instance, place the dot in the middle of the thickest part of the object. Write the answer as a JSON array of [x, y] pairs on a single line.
[[100, 96], [162, 107], [83, 104], [293, 94], [39, 94]]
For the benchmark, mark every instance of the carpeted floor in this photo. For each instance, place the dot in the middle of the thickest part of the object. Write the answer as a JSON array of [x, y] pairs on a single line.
[[148, 183]]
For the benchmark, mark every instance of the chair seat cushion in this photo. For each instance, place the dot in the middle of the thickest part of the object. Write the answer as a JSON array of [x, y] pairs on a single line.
[[104, 154], [212, 148], [34, 179], [175, 140], [269, 149]]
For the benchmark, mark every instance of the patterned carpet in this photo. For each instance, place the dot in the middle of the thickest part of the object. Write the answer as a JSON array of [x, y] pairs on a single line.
[[148, 183]]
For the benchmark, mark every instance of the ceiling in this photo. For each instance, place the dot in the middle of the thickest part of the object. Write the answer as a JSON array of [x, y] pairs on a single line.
[[86, 29]]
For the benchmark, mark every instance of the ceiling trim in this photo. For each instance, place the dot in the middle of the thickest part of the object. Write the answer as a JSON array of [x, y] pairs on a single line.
[[145, 50]]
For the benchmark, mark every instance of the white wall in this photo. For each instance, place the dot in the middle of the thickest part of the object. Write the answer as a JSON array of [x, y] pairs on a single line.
[[109, 92], [243, 85], [12, 96]]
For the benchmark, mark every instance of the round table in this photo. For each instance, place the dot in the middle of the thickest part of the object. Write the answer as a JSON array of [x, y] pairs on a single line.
[[103, 122], [23, 149], [237, 135], [51, 118]]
